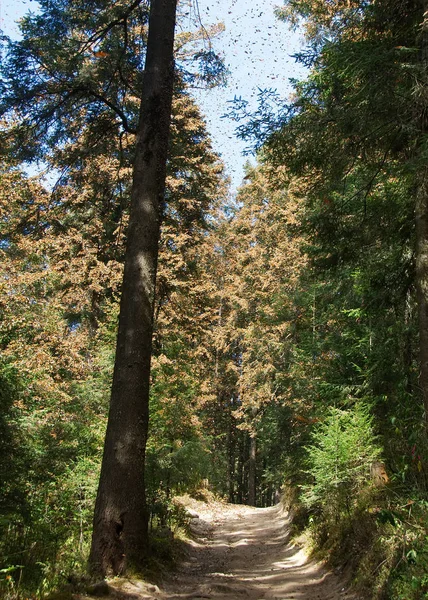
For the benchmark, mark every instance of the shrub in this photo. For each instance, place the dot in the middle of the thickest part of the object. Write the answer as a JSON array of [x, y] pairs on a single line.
[[339, 458]]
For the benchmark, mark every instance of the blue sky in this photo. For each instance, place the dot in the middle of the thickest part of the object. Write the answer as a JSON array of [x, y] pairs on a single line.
[[257, 50]]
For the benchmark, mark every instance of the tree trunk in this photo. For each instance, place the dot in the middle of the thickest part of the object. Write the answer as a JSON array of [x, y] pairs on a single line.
[[408, 344], [120, 521], [422, 286], [241, 467], [231, 457], [422, 220], [252, 471]]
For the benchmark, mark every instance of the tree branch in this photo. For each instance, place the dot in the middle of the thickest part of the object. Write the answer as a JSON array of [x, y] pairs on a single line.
[[101, 33]]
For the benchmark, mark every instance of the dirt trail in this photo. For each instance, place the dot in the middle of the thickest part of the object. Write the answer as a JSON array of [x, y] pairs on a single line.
[[244, 553]]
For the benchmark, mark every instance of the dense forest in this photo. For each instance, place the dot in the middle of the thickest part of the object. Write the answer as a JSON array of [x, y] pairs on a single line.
[[286, 325]]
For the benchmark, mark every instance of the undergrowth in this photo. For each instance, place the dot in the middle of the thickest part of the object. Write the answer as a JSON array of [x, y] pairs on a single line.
[[349, 513], [382, 549]]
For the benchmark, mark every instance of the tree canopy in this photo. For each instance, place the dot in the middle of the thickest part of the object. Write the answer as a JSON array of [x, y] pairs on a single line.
[[287, 326]]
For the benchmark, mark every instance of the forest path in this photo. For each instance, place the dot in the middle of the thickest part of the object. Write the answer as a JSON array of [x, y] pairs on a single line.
[[243, 553]]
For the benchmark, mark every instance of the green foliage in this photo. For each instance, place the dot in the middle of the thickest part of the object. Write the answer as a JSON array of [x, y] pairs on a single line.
[[409, 579], [47, 528], [278, 321], [12, 445], [178, 455], [63, 253], [339, 459], [49, 456], [85, 59]]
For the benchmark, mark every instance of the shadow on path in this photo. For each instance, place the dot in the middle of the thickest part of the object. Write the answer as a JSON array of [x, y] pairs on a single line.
[[244, 552]]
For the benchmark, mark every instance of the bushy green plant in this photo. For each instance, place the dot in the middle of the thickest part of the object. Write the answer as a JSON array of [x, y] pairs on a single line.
[[48, 475], [343, 448], [408, 579]]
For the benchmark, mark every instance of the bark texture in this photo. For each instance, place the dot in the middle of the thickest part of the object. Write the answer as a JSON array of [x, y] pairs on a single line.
[[422, 285], [422, 215], [120, 521]]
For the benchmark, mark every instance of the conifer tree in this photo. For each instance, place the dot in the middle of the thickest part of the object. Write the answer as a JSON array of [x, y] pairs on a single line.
[[120, 522], [360, 146], [99, 75]]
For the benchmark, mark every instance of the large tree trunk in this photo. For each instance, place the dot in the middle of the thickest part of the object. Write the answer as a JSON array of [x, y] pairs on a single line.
[[422, 217], [120, 522]]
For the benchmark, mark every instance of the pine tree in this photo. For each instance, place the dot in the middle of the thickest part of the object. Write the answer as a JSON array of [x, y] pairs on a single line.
[[120, 523], [89, 213], [360, 139]]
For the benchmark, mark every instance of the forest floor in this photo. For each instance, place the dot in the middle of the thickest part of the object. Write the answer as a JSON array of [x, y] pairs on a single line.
[[239, 553]]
